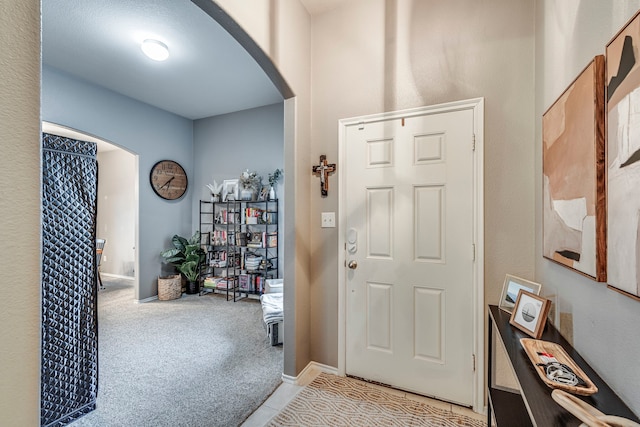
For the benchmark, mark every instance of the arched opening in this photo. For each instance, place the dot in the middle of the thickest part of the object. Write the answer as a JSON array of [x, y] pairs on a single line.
[[150, 134]]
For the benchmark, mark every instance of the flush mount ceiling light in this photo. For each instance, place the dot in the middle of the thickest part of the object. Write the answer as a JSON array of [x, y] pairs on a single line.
[[155, 49]]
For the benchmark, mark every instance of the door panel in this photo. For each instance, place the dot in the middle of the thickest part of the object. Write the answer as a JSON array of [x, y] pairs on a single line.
[[429, 223], [409, 196], [429, 321], [380, 222], [379, 316]]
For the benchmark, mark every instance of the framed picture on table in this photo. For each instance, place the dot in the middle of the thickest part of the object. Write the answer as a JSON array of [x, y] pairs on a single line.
[[511, 288], [530, 313]]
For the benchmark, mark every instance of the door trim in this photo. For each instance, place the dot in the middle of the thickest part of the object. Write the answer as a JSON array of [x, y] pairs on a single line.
[[477, 105]]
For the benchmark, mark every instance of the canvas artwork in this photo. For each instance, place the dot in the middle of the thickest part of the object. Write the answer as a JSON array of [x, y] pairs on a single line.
[[623, 145], [574, 221]]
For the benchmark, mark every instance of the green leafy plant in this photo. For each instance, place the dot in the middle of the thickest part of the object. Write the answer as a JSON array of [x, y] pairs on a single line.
[[275, 177], [190, 268], [186, 255]]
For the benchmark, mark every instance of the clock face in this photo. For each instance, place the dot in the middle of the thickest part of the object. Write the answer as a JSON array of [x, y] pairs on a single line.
[[168, 179]]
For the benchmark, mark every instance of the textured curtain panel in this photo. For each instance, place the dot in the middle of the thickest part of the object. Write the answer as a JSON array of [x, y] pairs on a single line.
[[69, 308]]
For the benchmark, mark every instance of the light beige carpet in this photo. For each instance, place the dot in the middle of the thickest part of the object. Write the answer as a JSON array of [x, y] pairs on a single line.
[[331, 400]]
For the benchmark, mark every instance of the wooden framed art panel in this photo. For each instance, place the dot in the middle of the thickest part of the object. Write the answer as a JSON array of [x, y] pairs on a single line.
[[573, 165], [623, 159]]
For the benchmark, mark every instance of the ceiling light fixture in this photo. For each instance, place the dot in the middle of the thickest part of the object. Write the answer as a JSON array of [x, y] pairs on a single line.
[[155, 49]]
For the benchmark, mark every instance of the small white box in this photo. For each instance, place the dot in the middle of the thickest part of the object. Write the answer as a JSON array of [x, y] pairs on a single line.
[[273, 286]]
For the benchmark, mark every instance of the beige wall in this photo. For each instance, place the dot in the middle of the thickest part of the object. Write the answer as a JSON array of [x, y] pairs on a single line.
[[371, 56], [602, 324], [281, 29], [20, 213], [116, 218]]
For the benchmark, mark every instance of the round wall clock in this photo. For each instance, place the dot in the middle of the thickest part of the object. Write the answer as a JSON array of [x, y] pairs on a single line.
[[168, 179]]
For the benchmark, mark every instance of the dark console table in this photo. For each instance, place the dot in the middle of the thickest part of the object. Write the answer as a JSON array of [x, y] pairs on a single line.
[[532, 404]]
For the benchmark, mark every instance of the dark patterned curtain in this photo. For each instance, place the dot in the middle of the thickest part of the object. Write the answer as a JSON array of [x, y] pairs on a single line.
[[69, 376]]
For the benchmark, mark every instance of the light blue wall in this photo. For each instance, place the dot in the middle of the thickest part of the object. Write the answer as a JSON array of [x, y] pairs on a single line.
[[228, 144], [151, 133], [602, 324]]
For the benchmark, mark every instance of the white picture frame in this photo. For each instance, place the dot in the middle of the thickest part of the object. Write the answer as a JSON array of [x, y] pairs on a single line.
[[511, 287], [230, 190]]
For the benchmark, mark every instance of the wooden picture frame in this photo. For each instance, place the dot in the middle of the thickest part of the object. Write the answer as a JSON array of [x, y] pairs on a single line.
[[574, 176], [623, 159], [511, 288], [530, 313], [264, 194]]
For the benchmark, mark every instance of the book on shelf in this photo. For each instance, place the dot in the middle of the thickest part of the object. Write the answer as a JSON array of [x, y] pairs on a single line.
[[271, 240], [269, 217], [211, 282], [225, 216], [244, 282], [227, 283], [219, 238]]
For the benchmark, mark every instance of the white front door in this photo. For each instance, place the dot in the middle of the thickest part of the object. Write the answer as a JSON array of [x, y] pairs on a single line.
[[409, 252]]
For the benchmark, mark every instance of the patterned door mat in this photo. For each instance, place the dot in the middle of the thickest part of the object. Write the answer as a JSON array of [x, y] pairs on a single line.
[[330, 400]]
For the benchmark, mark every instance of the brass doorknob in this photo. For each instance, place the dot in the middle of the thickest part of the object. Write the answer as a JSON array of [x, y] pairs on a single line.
[[353, 265]]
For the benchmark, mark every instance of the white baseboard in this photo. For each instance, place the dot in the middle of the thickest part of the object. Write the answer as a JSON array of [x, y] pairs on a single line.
[[117, 276], [140, 301], [309, 370]]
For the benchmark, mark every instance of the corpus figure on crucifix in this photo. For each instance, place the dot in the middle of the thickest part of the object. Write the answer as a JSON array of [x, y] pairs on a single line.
[[323, 170]]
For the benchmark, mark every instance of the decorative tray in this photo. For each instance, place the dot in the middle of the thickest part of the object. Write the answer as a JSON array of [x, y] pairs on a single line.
[[539, 352]]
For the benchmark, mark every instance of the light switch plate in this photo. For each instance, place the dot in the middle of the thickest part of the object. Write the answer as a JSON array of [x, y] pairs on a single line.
[[328, 220]]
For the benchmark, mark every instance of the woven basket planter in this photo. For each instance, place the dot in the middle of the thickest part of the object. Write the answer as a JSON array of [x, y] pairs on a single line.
[[169, 287]]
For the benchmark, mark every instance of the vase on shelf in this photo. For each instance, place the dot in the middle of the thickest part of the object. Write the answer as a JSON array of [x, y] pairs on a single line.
[[215, 198], [272, 193], [246, 194]]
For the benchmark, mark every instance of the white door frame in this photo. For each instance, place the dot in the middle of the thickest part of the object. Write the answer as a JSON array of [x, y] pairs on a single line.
[[477, 105]]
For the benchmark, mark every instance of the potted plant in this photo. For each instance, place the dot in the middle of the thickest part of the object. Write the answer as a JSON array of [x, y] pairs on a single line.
[[251, 183], [215, 189], [191, 270], [186, 256]]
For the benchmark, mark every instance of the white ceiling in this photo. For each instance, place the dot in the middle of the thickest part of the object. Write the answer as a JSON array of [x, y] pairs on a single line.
[[208, 73]]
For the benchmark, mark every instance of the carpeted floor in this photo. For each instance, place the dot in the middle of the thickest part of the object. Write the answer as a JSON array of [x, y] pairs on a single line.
[[331, 400], [193, 361]]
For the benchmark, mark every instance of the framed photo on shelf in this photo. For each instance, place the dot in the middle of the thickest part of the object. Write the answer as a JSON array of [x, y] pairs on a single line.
[[264, 194], [511, 288], [230, 190], [530, 313]]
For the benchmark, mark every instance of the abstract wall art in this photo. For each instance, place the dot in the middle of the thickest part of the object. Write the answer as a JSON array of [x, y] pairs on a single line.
[[574, 217], [623, 159]]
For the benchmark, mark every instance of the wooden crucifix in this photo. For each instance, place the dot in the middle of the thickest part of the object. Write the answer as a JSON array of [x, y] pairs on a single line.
[[323, 170]]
